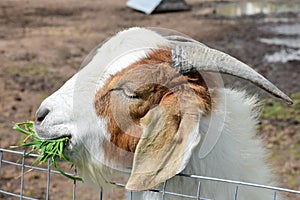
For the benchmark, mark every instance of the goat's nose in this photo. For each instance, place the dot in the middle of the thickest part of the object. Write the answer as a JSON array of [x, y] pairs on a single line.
[[41, 114]]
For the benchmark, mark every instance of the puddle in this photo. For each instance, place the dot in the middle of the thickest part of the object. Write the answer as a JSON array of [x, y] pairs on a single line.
[[288, 42], [253, 8], [286, 34], [283, 56], [277, 20], [287, 37], [288, 29], [290, 49]]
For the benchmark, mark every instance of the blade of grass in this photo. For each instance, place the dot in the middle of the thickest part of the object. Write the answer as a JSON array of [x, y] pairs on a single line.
[[48, 149]]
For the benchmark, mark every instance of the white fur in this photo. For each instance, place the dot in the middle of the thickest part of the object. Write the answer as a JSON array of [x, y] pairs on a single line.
[[236, 155]]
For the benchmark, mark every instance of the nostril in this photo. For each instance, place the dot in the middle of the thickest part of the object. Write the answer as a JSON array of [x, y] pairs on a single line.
[[41, 114]]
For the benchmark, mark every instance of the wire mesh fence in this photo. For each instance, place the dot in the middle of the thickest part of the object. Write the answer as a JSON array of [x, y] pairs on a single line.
[[18, 160]]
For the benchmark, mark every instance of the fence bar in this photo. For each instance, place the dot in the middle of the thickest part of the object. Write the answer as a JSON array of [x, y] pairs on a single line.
[[101, 193], [74, 186], [131, 195], [1, 156], [16, 195], [48, 179], [178, 195], [198, 190], [241, 183], [275, 196], [22, 175], [74, 190], [162, 190], [33, 167], [236, 192], [17, 152]]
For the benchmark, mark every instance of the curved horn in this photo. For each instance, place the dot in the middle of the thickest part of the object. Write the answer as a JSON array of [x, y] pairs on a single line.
[[188, 56]]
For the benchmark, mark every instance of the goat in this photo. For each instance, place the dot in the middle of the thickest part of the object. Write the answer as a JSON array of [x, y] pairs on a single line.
[[148, 105]]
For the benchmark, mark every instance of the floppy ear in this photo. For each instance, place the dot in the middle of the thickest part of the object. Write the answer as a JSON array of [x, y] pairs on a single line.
[[170, 133]]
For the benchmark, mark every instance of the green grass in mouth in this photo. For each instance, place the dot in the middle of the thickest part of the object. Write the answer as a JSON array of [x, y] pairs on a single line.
[[47, 149]]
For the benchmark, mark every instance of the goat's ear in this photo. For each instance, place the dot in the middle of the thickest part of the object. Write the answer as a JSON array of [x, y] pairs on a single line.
[[170, 133]]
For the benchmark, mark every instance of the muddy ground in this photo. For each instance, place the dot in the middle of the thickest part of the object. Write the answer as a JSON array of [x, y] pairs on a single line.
[[42, 43]]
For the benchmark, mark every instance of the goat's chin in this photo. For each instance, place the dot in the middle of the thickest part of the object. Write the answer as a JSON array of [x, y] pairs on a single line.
[[98, 175]]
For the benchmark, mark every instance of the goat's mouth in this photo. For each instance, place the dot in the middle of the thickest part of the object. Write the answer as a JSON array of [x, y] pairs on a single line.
[[47, 136], [66, 140], [68, 137]]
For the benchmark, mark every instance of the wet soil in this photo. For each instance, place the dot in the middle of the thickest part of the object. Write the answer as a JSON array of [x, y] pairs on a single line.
[[42, 44]]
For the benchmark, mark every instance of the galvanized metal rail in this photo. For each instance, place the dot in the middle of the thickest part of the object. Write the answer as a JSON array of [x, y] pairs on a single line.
[[21, 163]]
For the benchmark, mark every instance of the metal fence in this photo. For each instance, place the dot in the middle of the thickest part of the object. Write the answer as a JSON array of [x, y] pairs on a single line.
[[20, 162]]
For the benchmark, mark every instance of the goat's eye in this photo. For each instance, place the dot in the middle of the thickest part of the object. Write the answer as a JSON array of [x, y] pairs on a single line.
[[128, 92]]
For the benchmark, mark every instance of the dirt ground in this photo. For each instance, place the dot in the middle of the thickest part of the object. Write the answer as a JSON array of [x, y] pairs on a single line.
[[42, 44]]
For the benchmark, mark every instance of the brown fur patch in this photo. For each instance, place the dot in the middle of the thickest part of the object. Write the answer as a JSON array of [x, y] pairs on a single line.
[[150, 82], [171, 111]]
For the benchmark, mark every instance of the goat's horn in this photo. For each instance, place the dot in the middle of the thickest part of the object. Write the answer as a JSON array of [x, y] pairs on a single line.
[[188, 56]]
